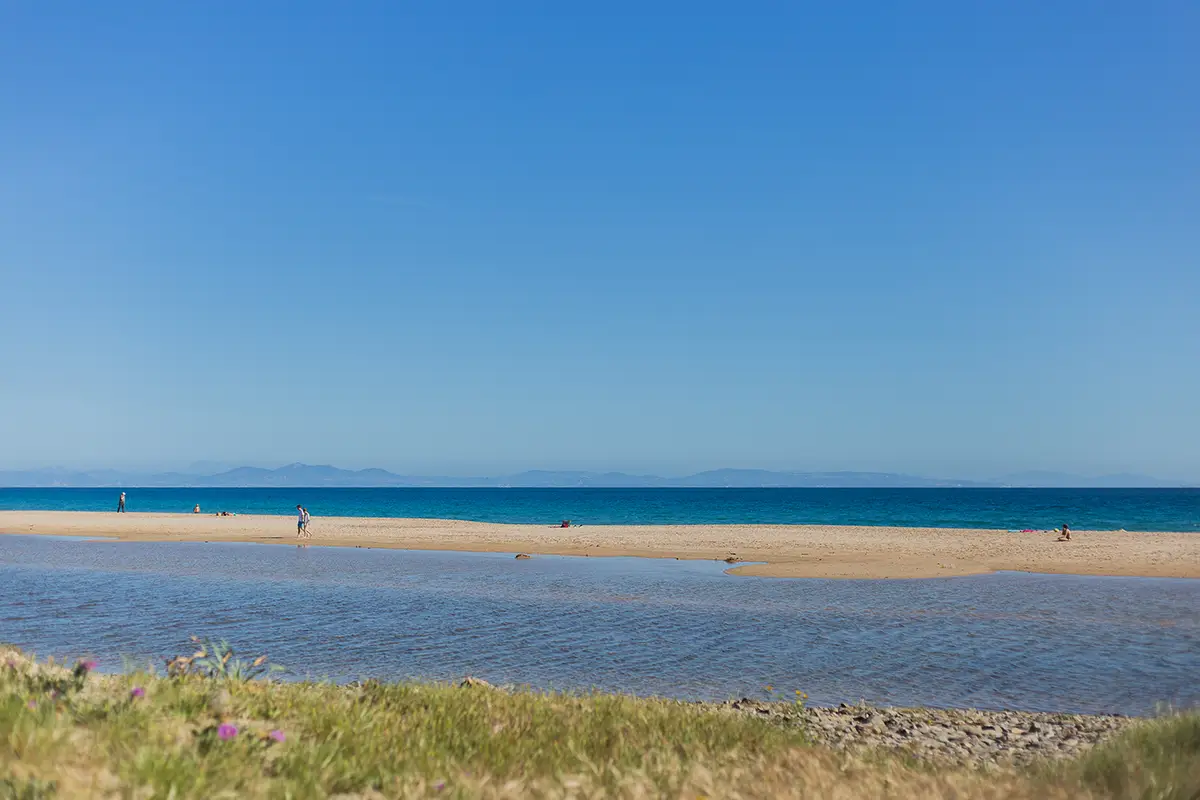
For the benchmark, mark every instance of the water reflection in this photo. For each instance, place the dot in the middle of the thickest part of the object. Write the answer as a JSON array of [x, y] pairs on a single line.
[[675, 628]]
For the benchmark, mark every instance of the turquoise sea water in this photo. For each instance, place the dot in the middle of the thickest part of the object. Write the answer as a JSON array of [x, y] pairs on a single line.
[[1082, 509]]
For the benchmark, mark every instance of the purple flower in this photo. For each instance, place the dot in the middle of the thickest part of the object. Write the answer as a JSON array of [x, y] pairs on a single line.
[[437, 787], [226, 732], [137, 692], [32, 704], [88, 665], [277, 735]]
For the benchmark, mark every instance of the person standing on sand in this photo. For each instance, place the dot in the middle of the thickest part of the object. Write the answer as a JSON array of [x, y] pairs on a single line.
[[121, 504], [301, 521]]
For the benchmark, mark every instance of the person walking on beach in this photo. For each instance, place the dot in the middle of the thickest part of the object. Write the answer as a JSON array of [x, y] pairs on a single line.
[[121, 504], [301, 521]]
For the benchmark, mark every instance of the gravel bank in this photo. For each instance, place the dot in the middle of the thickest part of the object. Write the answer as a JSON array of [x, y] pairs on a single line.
[[945, 735]]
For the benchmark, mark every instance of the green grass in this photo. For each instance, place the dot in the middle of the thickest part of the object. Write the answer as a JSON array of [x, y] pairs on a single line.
[[92, 738], [1160, 759]]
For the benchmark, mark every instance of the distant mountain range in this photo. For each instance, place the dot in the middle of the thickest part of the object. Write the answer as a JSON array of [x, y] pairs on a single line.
[[1123, 480], [305, 475]]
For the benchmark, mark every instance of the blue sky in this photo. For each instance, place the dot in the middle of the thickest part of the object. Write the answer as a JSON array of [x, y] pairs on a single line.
[[471, 237]]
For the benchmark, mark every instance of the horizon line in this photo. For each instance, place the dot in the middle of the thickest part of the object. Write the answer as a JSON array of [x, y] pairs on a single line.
[[329, 476]]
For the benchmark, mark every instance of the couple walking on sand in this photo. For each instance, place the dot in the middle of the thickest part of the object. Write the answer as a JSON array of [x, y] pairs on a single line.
[[302, 521]]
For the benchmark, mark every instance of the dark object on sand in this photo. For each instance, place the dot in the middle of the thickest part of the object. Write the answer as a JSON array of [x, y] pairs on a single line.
[[524, 555]]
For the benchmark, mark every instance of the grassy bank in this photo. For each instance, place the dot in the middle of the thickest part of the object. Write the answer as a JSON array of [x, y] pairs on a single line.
[[68, 733]]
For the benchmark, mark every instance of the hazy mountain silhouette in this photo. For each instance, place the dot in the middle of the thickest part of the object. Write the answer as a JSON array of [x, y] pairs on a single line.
[[765, 478], [307, 475], [1047, 479]]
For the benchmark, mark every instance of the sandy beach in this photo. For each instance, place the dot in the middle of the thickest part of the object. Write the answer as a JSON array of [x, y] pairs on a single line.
[[815, 551]]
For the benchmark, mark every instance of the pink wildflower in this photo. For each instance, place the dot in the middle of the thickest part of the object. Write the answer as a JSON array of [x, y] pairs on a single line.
[[137, 692], [277, 735], [226, 732]]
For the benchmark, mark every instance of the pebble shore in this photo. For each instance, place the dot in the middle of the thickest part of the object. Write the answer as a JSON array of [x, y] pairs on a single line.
[[937, 735], [944, 735]]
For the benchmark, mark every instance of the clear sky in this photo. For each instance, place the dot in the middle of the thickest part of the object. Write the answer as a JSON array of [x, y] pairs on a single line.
[[948, 238]]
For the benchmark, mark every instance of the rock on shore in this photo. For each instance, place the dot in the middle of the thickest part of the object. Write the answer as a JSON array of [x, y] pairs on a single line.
[[945, 735]]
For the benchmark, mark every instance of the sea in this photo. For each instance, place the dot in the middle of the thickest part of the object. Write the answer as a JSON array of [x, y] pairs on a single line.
[[1006, 509], [643, 626]]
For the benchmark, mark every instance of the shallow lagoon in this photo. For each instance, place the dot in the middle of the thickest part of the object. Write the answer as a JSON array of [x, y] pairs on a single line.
[[676, 628]]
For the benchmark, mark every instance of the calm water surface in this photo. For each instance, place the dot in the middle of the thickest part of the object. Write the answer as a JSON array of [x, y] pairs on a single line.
[[675, 628], [1082, 509]]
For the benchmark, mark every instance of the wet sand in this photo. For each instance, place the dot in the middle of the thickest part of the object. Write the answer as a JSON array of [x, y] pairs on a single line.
[[813, 551]]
